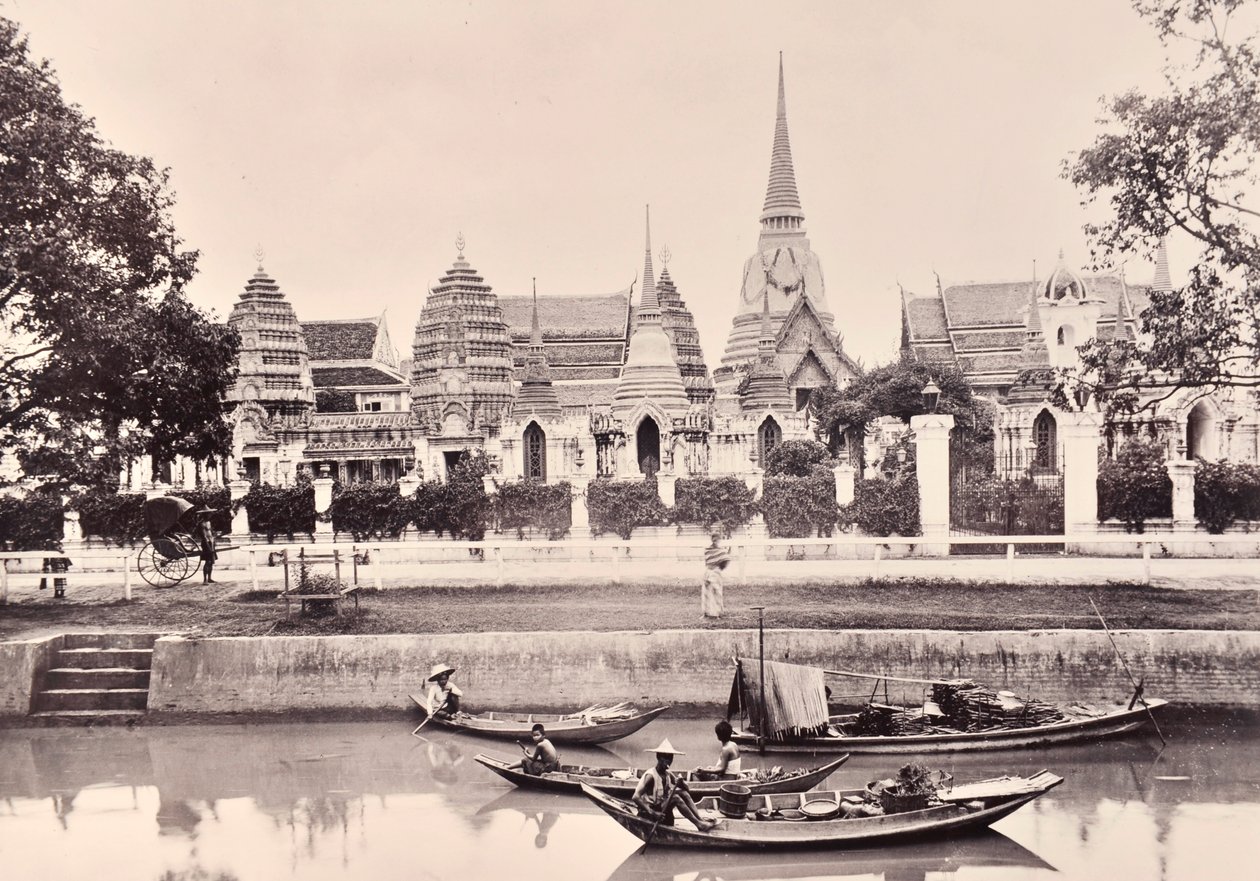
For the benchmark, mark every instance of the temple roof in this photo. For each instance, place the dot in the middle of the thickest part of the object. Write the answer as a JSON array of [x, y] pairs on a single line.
[[580, 316], [351, 339], [326, 377]]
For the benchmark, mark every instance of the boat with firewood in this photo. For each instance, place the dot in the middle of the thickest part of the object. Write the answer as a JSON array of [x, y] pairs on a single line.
[[840, 818], [784, 707], [622, 781], [595, 724]]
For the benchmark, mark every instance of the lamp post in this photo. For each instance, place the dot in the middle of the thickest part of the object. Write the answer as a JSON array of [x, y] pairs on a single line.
[[931, 396], [1081, 393]]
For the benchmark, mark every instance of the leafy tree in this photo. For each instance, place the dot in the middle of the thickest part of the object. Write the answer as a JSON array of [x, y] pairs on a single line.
[[103, 358], [1183, 160], [896, 389], [796, 459]]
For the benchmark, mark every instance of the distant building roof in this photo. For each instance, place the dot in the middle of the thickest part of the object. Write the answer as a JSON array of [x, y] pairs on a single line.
[[349, 340], [569, 317], [342, 377]]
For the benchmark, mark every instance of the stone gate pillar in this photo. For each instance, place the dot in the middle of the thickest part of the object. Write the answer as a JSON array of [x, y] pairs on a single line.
[[580, 513], [931, 445], [844, 483], [238, 489], [323, 501], [1181, 472], [1080, 433]]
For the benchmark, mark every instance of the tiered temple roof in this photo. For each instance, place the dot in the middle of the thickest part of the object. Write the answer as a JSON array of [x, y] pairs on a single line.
[[766, 387], [680, 327], [462, 355], [537, 395], [274, 368]]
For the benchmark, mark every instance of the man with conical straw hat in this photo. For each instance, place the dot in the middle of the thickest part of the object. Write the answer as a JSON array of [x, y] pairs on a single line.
[[659, 791], [443, 695]]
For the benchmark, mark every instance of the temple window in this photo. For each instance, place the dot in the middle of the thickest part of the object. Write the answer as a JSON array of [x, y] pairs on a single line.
[[768, 437], [648, 442], [535, 451], [1044, 431]]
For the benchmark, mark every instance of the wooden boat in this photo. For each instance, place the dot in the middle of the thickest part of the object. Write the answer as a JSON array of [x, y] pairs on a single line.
[[964, 809], [567, 728], [622, 781], [798, 718]]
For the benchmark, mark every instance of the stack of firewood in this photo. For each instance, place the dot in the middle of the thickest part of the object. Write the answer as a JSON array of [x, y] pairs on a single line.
[[970, 707]]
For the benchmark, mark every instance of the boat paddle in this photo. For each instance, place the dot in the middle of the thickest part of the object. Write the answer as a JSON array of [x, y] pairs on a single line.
[[1136, 687], [667, 809], [441, 707]]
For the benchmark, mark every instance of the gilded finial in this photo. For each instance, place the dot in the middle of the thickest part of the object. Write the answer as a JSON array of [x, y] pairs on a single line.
[[459, 244], [259, 254], [665, 254]]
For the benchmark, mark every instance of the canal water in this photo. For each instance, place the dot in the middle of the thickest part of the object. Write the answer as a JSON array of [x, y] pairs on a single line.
[[326, 802]]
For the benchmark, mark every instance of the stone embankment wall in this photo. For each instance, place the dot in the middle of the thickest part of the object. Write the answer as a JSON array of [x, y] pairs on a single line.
[[688, 669]]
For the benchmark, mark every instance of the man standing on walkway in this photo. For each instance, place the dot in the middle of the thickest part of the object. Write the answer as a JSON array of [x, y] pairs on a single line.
[[716, 559]]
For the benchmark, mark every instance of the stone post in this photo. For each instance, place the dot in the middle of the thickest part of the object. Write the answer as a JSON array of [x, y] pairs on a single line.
[[1181, 472], [323, 501], [1080, 433], [581, 515], [71, 530], [665, 487], [239, 489], [931, 439], [408, 484], [844, 483]]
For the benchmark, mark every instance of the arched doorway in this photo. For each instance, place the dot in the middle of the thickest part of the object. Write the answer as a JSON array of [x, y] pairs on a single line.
[[1045, 452], [648, 444], [1201, 436], [534, 449], [768, 437]]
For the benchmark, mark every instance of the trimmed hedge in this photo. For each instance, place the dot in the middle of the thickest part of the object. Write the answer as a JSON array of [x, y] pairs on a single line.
[[1134, 486], [33, 523], [367, 510], [797, 458], [218, 498], [282, 510], [705, 501], [884, 507], [532, 504], [800, 507], [117, 518], [1225, 492], [620, 506]]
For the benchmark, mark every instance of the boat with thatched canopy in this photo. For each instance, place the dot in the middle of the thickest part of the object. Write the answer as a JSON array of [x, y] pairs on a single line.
[[786, 709]]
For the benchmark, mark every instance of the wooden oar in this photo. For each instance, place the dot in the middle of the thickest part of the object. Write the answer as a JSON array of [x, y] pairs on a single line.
[[890, 678], [667, 809], [441, 707], [1127, 671]]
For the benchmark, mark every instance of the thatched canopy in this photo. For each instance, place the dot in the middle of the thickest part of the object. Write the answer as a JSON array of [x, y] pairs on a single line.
[[796, 698]]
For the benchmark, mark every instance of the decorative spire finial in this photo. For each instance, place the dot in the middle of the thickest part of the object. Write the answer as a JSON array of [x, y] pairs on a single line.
[[535, 331], [1163, 280], [459, 244], [665, 255], [259, 254], [648, 302], [783, 203]]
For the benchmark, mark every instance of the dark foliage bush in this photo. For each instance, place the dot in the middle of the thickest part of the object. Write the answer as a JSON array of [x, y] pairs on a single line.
[[460, 507], [884, 507], [795, 458], [800, 507], [532, 504], [117, 518], [282, 510], [1134, 486], [620, 506], [1225, 492], [705, 501], [367, 510], [33, 523]]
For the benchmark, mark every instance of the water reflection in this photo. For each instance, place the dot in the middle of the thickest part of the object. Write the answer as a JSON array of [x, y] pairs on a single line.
[[347, 801]]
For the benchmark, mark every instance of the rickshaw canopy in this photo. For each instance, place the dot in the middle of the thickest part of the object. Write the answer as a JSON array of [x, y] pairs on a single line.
[[162, 513]]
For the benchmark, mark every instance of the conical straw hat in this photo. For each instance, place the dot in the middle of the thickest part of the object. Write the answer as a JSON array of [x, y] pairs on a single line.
[[439, 669], [666, 747]]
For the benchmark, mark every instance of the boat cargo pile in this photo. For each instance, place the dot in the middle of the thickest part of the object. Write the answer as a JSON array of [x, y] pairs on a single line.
[[957, 707]]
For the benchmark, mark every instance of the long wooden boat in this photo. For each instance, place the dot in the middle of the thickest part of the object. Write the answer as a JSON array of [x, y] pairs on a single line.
[[622, 781], [798, 720], [567, 728], [964, 809]]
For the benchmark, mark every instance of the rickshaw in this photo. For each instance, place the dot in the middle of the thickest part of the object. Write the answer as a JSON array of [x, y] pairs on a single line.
[[171, 554]]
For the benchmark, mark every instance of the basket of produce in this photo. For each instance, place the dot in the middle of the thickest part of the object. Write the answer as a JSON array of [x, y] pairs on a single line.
[[912, 790]]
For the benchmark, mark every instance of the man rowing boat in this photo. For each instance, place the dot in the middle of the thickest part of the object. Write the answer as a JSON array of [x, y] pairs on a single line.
[[659, 792], [443, 696]]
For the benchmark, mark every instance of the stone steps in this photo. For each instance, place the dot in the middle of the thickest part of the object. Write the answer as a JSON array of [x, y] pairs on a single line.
[[97, 677]]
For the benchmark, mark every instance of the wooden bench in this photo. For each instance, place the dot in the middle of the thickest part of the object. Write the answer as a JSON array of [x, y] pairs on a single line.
[[291, 593]]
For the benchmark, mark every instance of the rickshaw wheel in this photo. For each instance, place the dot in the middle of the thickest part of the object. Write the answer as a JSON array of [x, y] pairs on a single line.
[[160, 569]]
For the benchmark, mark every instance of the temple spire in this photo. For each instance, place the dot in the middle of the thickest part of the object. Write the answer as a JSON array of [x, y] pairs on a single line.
[[648, 301], [535, 332], [1163, 281], [782, 208]]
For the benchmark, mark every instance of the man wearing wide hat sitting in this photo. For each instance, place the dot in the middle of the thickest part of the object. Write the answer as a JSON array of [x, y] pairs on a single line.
[[659, 792], [443, 696]]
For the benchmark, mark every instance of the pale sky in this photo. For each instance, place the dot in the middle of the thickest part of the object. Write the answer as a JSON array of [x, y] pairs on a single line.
[[353, 142]]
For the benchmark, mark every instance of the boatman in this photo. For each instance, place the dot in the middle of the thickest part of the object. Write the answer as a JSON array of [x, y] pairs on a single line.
[[544, 758], [660, 791], [716, 559], [729, 764], [443, 696]]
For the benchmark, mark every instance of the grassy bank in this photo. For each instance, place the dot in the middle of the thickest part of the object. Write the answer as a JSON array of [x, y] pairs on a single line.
[[231, 610]]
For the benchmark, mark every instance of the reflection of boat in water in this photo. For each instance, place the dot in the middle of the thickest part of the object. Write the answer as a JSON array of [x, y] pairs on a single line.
[[787, 703], [530, 803], [622, 781], [984, 849], [960, 810]]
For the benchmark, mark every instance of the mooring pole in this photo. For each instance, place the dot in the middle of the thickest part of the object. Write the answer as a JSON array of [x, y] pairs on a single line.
[[761, 675]]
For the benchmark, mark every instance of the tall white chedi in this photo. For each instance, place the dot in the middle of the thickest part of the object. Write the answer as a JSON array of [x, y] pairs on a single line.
[[650, 372], [783, 269]]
